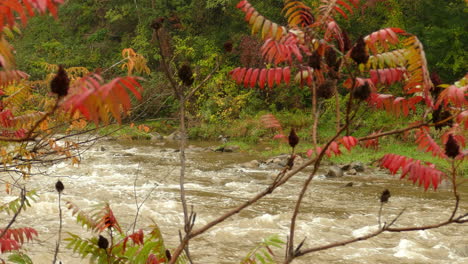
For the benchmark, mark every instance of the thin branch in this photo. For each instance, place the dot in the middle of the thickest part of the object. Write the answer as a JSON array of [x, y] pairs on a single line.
[[454, 186], [202, 83], [385, 228], [402, 130], [28, 137], [23, 199], [57, 246], [339, 244], [279, 181], [290, 255], [114, 65], [139, 205], [166, 67], [380, 214]]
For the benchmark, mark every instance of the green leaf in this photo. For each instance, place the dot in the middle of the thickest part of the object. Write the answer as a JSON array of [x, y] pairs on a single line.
[[19, 258]]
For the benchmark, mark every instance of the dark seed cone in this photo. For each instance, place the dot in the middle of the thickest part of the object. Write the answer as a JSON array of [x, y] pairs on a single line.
[[168, 255], [228, 46], [435, 91], [186, 75], [103, 242], [330, 58], [326, 90], [385, 196], [346, 42], [293, 138], [451, 147], [362, 92], [314, 61], [439, 115], [157, 23], [60, 84], [59, 186], [359, 53], [435, 78]]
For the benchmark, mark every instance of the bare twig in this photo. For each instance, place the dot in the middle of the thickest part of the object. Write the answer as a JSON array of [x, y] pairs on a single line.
[[59, 239], [380, 214], [384, 228], [139, 205]]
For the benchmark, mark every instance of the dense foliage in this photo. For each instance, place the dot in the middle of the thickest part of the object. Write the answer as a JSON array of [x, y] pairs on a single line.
[[92, 34], [372, 67]]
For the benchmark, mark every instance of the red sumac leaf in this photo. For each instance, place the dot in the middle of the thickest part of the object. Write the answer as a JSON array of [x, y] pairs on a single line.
[[262, 78], [241, 4], [271, 78], [247, 77], [287, 75], [253, 78], [278, 75]]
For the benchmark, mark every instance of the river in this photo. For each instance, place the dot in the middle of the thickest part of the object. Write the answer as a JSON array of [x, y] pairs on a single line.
[[216, 183]]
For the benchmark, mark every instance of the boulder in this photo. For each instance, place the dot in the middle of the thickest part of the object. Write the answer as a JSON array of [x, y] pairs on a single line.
[[358, 166], [176, 135], [349, 184], [334, 172], [445, 185], [155, 136], [346, 167], [232, 148], [222, 149], [351, 172], [251, 164]]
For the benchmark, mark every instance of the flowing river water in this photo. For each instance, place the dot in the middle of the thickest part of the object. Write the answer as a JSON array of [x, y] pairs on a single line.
[[216, 183]]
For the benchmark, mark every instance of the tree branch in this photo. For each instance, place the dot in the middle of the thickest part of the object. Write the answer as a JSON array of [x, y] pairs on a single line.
[[23, 199]]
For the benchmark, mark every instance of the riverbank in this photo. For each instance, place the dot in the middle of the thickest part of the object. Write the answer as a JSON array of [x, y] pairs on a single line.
[[251, 137]]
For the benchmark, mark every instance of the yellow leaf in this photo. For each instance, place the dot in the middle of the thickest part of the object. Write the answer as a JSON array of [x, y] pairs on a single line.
[[266, 28], [257, 24]]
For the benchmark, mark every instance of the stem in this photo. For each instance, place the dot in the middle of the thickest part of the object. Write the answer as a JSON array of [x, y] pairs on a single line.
[[182, 158], [337, 106], [454, 184], [57, 247], [290, 255], [109, 254], [23, 199], [314, 114], [380, 214], [279, 181]]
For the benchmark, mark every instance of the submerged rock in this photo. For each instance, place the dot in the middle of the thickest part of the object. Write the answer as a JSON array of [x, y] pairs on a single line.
[[334, 172]]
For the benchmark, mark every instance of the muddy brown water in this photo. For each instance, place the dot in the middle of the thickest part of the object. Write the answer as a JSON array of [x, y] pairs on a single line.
[[216, 183]]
